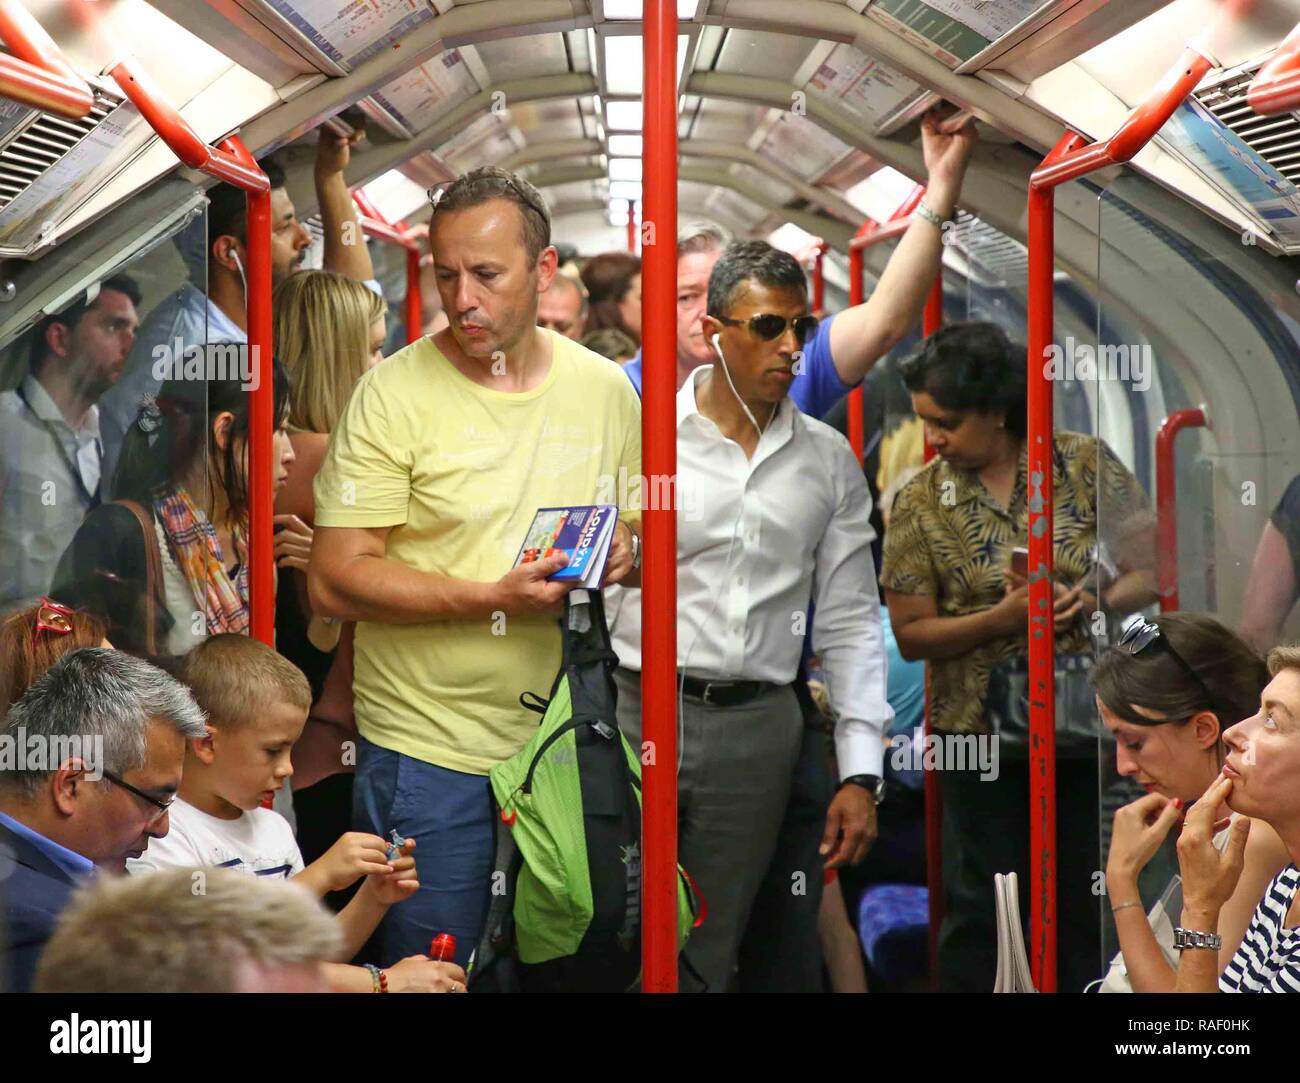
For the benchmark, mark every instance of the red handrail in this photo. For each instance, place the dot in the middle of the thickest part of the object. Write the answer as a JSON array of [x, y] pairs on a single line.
[[232, 162], [374, 224], [1167, 503], [819, 277], [1068, 160], [659, 564], [1276, 87], [631, 226], [857, 294], [37, 74]]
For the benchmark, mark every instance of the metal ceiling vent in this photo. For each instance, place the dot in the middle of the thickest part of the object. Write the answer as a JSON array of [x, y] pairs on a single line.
[[46, 164], [1275, 139]]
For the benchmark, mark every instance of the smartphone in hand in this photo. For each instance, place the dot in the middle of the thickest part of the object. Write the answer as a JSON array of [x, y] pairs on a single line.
[[1020, 561]]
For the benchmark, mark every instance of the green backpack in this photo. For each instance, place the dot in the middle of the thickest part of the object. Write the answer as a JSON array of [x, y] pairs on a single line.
[[571, 800]]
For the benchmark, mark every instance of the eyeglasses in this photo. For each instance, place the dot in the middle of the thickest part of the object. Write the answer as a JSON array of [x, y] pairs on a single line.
[[769, 326], [161, 806], [1139, 635], [52, 617], [504, 180]]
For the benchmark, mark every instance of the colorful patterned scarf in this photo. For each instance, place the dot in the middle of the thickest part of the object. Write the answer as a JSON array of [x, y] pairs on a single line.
[[194, 545]]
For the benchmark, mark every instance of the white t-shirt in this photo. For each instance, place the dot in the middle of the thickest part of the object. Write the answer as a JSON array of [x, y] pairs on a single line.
[[260, 842]]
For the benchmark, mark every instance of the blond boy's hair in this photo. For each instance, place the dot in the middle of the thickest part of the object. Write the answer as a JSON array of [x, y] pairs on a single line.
[[183, 931], [1286, 656], [233, 677]]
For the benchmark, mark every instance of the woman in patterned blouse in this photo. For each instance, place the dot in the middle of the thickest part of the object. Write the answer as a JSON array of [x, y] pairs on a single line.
[[954, 600]]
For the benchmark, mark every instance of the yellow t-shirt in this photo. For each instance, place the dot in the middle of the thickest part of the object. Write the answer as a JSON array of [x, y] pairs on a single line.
[[458, 470]]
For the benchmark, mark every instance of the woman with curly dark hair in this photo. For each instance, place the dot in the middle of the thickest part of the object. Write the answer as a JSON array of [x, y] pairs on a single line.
[[958, 598]]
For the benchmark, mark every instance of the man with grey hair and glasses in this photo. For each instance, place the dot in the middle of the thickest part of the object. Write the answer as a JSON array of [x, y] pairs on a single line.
[[103, 744]]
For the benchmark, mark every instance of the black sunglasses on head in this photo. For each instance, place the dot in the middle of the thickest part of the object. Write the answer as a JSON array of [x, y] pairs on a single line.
[[769, 326], [1142, 633]]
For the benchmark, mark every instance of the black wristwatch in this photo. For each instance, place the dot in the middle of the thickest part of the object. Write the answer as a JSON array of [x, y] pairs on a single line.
[[873, 784]]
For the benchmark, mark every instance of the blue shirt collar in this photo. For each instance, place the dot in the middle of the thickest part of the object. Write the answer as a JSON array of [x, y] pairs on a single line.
[[69, 861]]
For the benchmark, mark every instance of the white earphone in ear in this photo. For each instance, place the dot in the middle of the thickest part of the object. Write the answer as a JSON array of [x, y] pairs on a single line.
[[716, 344], [232, 253]]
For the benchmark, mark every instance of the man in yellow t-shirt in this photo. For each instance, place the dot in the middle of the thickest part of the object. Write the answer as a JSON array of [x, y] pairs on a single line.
[[431, 480]]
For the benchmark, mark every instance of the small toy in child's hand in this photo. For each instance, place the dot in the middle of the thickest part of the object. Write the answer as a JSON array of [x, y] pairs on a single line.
[[395, 851]]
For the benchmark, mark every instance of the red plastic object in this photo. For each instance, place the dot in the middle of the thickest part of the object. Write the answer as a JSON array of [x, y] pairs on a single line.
[[1276, 87], [36, 73], [1068, 160], [1167, 503], [659, 523], [443, 948]]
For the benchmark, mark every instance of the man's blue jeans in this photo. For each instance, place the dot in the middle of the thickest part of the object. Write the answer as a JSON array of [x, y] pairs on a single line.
[[449, 814]]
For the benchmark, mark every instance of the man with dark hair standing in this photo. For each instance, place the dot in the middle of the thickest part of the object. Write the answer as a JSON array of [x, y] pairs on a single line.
[[212, 307], [429, 486], [51, 452], [784, 518]]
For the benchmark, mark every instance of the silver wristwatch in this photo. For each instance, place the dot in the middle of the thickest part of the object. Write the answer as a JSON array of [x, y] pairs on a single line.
[[1190, 938], [636, 549], [931, 216]]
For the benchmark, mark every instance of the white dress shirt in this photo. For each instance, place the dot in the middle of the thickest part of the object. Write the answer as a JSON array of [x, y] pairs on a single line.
[[756, 539], [42, 500]]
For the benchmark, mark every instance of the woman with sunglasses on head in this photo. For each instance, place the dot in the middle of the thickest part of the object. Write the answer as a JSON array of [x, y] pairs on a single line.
[[1167, 691], [33, 639], [956, 600], [166, 564]]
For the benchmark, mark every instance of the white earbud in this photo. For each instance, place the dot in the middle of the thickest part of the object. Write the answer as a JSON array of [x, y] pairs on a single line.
[[717, 345], [233, 254]]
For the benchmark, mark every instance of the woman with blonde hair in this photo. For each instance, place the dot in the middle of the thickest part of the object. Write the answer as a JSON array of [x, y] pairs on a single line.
[[328, 333]]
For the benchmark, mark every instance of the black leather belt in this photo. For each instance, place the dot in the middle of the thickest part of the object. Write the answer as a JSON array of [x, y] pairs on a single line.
[[724, 693]]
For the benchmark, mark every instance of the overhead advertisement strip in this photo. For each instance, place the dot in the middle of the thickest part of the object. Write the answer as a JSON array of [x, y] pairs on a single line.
[[344, 33], [1253, 160], [871, 89]]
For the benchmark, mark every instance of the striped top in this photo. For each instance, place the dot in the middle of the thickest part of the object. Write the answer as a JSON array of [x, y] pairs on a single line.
[[1268, 960]]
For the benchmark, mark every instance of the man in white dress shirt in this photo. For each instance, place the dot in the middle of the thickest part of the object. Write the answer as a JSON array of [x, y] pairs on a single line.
[[50, 447], [778, 514]]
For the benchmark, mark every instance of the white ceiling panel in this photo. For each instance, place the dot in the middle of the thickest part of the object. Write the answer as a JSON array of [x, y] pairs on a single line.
[[524, 58], [753, 52]]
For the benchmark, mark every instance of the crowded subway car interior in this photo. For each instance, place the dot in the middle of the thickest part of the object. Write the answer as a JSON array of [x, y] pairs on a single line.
[[601, 496]]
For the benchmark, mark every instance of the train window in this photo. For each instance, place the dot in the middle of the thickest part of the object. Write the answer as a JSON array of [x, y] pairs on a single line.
[[116, 478]]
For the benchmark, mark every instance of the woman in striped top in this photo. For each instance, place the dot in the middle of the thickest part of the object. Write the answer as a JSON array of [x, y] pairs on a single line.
[[1258, 781]]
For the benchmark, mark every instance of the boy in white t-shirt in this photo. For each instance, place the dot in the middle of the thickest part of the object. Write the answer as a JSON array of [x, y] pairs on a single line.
[[257, 704]]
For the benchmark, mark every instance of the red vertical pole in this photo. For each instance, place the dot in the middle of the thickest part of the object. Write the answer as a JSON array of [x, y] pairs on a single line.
[[659, 456], [819, 278], [631, 226], [857, 289], [414, 313], [261, 420], [1042, 627], [931, 321]]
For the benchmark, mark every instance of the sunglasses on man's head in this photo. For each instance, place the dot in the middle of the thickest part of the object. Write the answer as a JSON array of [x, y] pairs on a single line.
[[769, 326], [1142, 633]]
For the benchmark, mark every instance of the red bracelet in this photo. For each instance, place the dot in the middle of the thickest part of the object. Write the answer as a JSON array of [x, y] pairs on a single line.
[[383, 981]]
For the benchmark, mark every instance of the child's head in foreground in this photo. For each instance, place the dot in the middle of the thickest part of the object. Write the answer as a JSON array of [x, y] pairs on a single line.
[[257, 704]]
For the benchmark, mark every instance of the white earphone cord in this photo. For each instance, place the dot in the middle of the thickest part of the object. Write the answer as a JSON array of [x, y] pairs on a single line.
[[726, 569]]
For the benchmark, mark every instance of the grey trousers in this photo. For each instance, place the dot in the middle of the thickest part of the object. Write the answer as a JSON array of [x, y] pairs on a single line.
[[737, 764]]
